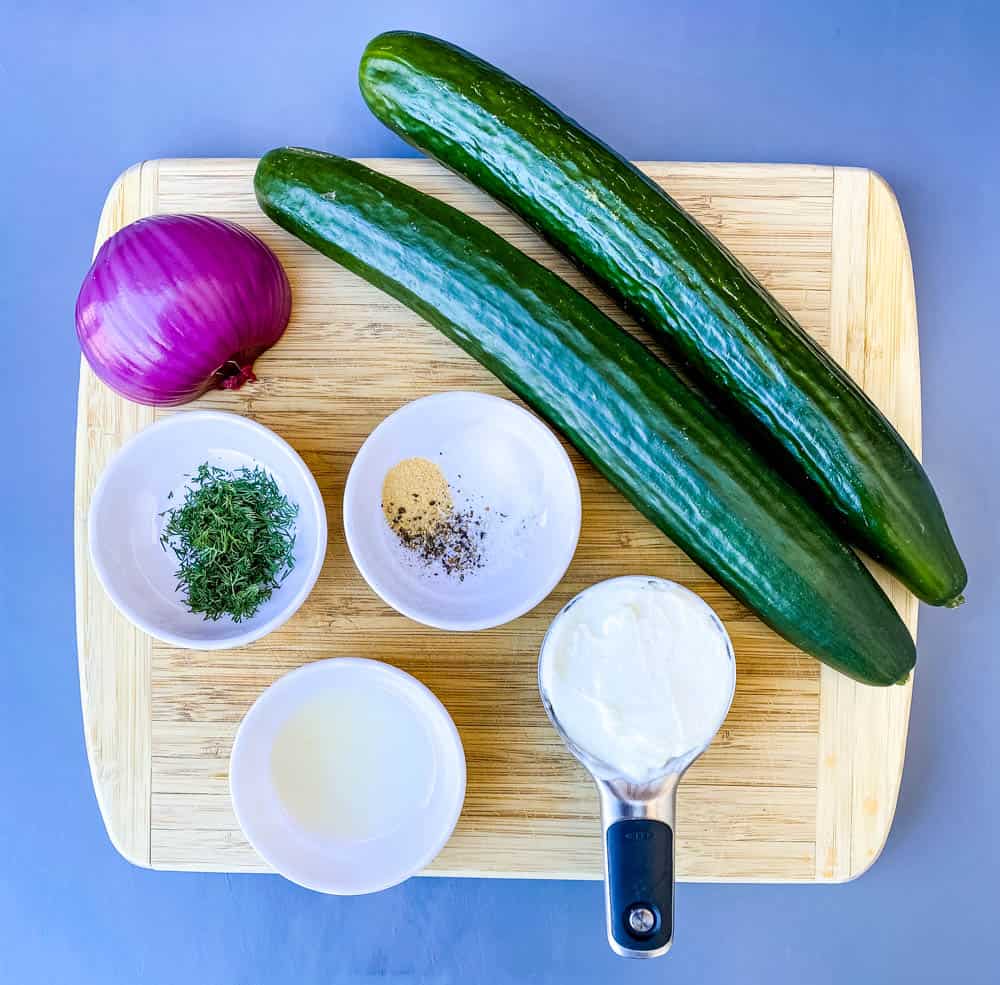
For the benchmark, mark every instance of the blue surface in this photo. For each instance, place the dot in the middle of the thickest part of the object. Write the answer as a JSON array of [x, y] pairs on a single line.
[[910, 89]]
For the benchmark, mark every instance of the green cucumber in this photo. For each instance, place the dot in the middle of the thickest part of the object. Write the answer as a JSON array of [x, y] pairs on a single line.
[[664, 448], [733, 339]]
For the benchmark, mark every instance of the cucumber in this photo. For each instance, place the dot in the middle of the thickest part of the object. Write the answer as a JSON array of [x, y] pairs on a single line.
[[657, 441], [732, 338]]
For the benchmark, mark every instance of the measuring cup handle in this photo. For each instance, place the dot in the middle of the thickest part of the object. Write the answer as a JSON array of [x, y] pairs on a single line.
[[640, 886]]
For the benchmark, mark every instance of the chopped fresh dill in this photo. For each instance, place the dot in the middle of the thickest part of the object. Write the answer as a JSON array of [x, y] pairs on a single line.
[[234, 539]]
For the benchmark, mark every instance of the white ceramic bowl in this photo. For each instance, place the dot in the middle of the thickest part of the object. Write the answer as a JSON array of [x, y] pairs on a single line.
[[125, 524], [512, 463], [347, 866]]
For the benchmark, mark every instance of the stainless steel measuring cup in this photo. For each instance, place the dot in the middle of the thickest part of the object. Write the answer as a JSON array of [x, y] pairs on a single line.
[[637, 824]]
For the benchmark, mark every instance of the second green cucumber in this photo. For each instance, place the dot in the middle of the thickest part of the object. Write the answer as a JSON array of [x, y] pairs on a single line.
[[734, 339]]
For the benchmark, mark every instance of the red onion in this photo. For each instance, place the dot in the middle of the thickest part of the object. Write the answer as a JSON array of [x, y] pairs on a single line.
[[176, 304]]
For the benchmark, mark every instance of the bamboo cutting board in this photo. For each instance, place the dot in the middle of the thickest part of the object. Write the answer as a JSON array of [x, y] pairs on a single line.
[[800, 784]]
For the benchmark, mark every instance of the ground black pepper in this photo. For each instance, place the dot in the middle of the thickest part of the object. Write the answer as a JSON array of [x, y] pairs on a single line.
[[454, 542], [437, 534]]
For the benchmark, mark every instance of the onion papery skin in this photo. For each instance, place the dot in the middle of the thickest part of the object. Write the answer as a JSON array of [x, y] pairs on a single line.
[[175, 305]]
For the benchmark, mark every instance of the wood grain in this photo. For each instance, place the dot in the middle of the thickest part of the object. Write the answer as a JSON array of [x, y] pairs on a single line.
[[800, 784], [874, 334], [114, 655]]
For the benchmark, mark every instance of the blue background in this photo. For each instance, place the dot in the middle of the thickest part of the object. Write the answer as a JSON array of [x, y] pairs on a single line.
[[910, 89]]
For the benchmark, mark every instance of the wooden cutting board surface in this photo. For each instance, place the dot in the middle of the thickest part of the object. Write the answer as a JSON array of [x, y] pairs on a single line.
[[800, 784]]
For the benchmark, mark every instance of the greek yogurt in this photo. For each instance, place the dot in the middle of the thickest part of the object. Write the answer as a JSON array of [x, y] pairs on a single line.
[[638, 672]]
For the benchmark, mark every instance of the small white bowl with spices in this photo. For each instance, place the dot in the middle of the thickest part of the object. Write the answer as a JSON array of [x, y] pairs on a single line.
[[148, 481], [462, 511]]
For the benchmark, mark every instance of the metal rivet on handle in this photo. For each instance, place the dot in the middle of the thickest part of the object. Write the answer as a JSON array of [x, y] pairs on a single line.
[[641, 919]]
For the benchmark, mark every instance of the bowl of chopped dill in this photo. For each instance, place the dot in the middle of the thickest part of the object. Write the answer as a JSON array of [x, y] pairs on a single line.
[[207, 530]]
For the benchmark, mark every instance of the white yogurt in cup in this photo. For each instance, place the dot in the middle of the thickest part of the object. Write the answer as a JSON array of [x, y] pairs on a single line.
[[639, 672], [637, 675]]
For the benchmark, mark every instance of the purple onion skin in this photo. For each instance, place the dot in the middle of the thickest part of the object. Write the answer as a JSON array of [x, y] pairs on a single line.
[[177, 304]]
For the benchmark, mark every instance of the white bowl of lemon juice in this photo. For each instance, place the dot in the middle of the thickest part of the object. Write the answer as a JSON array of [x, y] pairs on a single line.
[[347, 776]]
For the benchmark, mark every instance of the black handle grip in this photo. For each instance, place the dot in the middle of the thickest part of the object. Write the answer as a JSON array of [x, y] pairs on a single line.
[[641, 883]]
